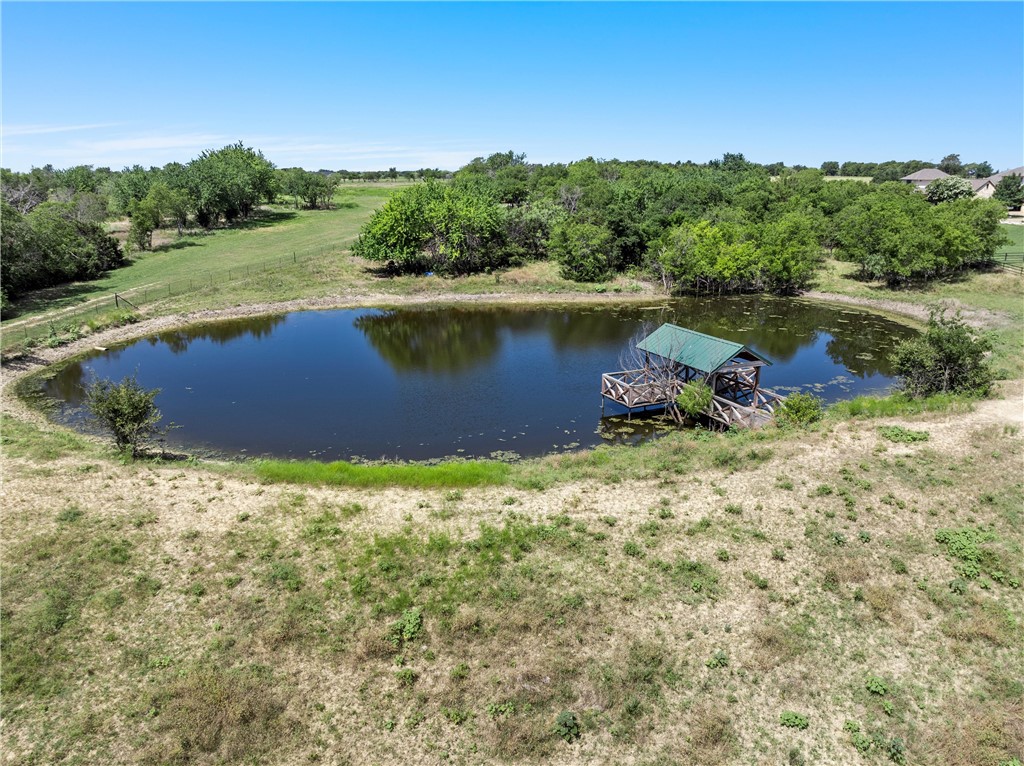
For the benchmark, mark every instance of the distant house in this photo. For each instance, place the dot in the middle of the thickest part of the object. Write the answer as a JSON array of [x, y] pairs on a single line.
[[983, 187], [922, 178]]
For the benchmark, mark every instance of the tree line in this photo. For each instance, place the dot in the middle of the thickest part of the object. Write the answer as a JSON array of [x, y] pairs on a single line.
[[727, 225]]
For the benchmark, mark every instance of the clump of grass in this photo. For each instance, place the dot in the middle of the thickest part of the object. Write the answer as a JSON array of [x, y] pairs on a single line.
[[476, 473], [897, 404], [233, 716]]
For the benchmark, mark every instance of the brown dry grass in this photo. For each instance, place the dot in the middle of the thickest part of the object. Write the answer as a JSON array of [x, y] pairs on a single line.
[[231, 611]]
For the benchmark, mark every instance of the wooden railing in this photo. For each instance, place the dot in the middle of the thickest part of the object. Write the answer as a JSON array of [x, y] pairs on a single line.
[[639, 388]]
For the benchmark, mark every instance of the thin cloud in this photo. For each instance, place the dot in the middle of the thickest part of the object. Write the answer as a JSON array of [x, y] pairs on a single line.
[[42, 130]]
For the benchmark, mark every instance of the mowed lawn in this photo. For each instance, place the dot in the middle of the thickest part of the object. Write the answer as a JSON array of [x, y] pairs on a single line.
[[1015, 233], [276, 233]]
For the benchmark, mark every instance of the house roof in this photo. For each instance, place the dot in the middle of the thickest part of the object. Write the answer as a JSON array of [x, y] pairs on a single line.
[[927, 174], [979, 183], [694, 349], [999, 176]]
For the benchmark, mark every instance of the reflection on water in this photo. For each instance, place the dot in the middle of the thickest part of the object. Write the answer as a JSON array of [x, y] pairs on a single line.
[[420, 384]]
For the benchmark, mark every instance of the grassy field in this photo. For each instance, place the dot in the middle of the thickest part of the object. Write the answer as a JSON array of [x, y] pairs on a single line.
[[842, 595]]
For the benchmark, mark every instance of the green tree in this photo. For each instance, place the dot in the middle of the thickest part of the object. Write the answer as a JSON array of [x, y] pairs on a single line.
[[948, 189], [583, 250], [433, 227], [229, 183], [146, 218], [126, 410], [889, 233], [951, 164], [947, 358], [1010, 191], [830, 168], [788, 252]]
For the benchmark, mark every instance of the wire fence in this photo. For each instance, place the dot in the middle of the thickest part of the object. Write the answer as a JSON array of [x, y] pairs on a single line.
[[1009, 261], [63, 325]]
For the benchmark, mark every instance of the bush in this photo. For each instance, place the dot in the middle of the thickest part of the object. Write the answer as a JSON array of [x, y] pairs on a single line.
[[800, 410], [695, 398], [947, 358], [126, 410]]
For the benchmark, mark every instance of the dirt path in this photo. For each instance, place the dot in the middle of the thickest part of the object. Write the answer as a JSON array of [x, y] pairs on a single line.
[[982, 319]]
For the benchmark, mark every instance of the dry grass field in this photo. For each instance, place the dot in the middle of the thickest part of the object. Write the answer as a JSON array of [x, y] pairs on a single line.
[[849, 594]]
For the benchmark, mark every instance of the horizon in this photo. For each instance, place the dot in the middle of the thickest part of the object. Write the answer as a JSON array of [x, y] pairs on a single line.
[[366, 87]]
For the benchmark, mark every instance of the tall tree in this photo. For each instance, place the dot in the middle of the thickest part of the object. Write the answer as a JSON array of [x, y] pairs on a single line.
[[951, 164]]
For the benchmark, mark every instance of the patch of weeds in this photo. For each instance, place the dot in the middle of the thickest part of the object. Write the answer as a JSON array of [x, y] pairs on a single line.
[[567, 726], [756, 580], [456, 715], [901, 435], [876, 685], [406, 628], [406, 676], [784, 482], [717, 660], [964, 544], [822, 490], [503, 709], [793, 720], [633, 549], [70, 515], [838, 538], [734, 509], [702, 525], [778, 554], [864, 537], [830, 581], [460, 672], [611, 521], [285, 575], [722, 554]]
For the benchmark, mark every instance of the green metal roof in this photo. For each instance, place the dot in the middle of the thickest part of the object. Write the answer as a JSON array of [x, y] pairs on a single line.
[[694, 349]]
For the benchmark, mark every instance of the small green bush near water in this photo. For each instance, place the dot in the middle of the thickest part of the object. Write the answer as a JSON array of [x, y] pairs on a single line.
[[476, 473], [695, 398], [800, 410], [948, 358], [126, 410]]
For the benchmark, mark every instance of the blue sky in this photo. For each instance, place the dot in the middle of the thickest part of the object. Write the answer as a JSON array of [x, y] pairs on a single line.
[[368, 86]]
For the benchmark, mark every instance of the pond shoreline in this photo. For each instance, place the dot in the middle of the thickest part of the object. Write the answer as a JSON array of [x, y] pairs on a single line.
[[42, 358]]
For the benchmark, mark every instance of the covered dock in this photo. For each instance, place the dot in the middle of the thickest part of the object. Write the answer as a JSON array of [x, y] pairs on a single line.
[[673, 356]]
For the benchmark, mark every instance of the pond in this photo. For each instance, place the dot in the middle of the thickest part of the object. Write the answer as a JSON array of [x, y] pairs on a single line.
[[416, 384]]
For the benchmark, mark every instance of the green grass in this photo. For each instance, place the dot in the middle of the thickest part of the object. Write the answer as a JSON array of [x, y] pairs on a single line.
[[444, 475], [1015, 233], [274, 235], [897, 405]]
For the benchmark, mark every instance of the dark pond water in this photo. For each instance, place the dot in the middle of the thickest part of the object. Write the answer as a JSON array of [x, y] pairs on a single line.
[[426, 383]]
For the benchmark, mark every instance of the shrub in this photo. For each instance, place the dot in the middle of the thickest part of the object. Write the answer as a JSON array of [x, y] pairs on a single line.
[[695, 398], [800, 410], [126, 410], [947, 358]]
